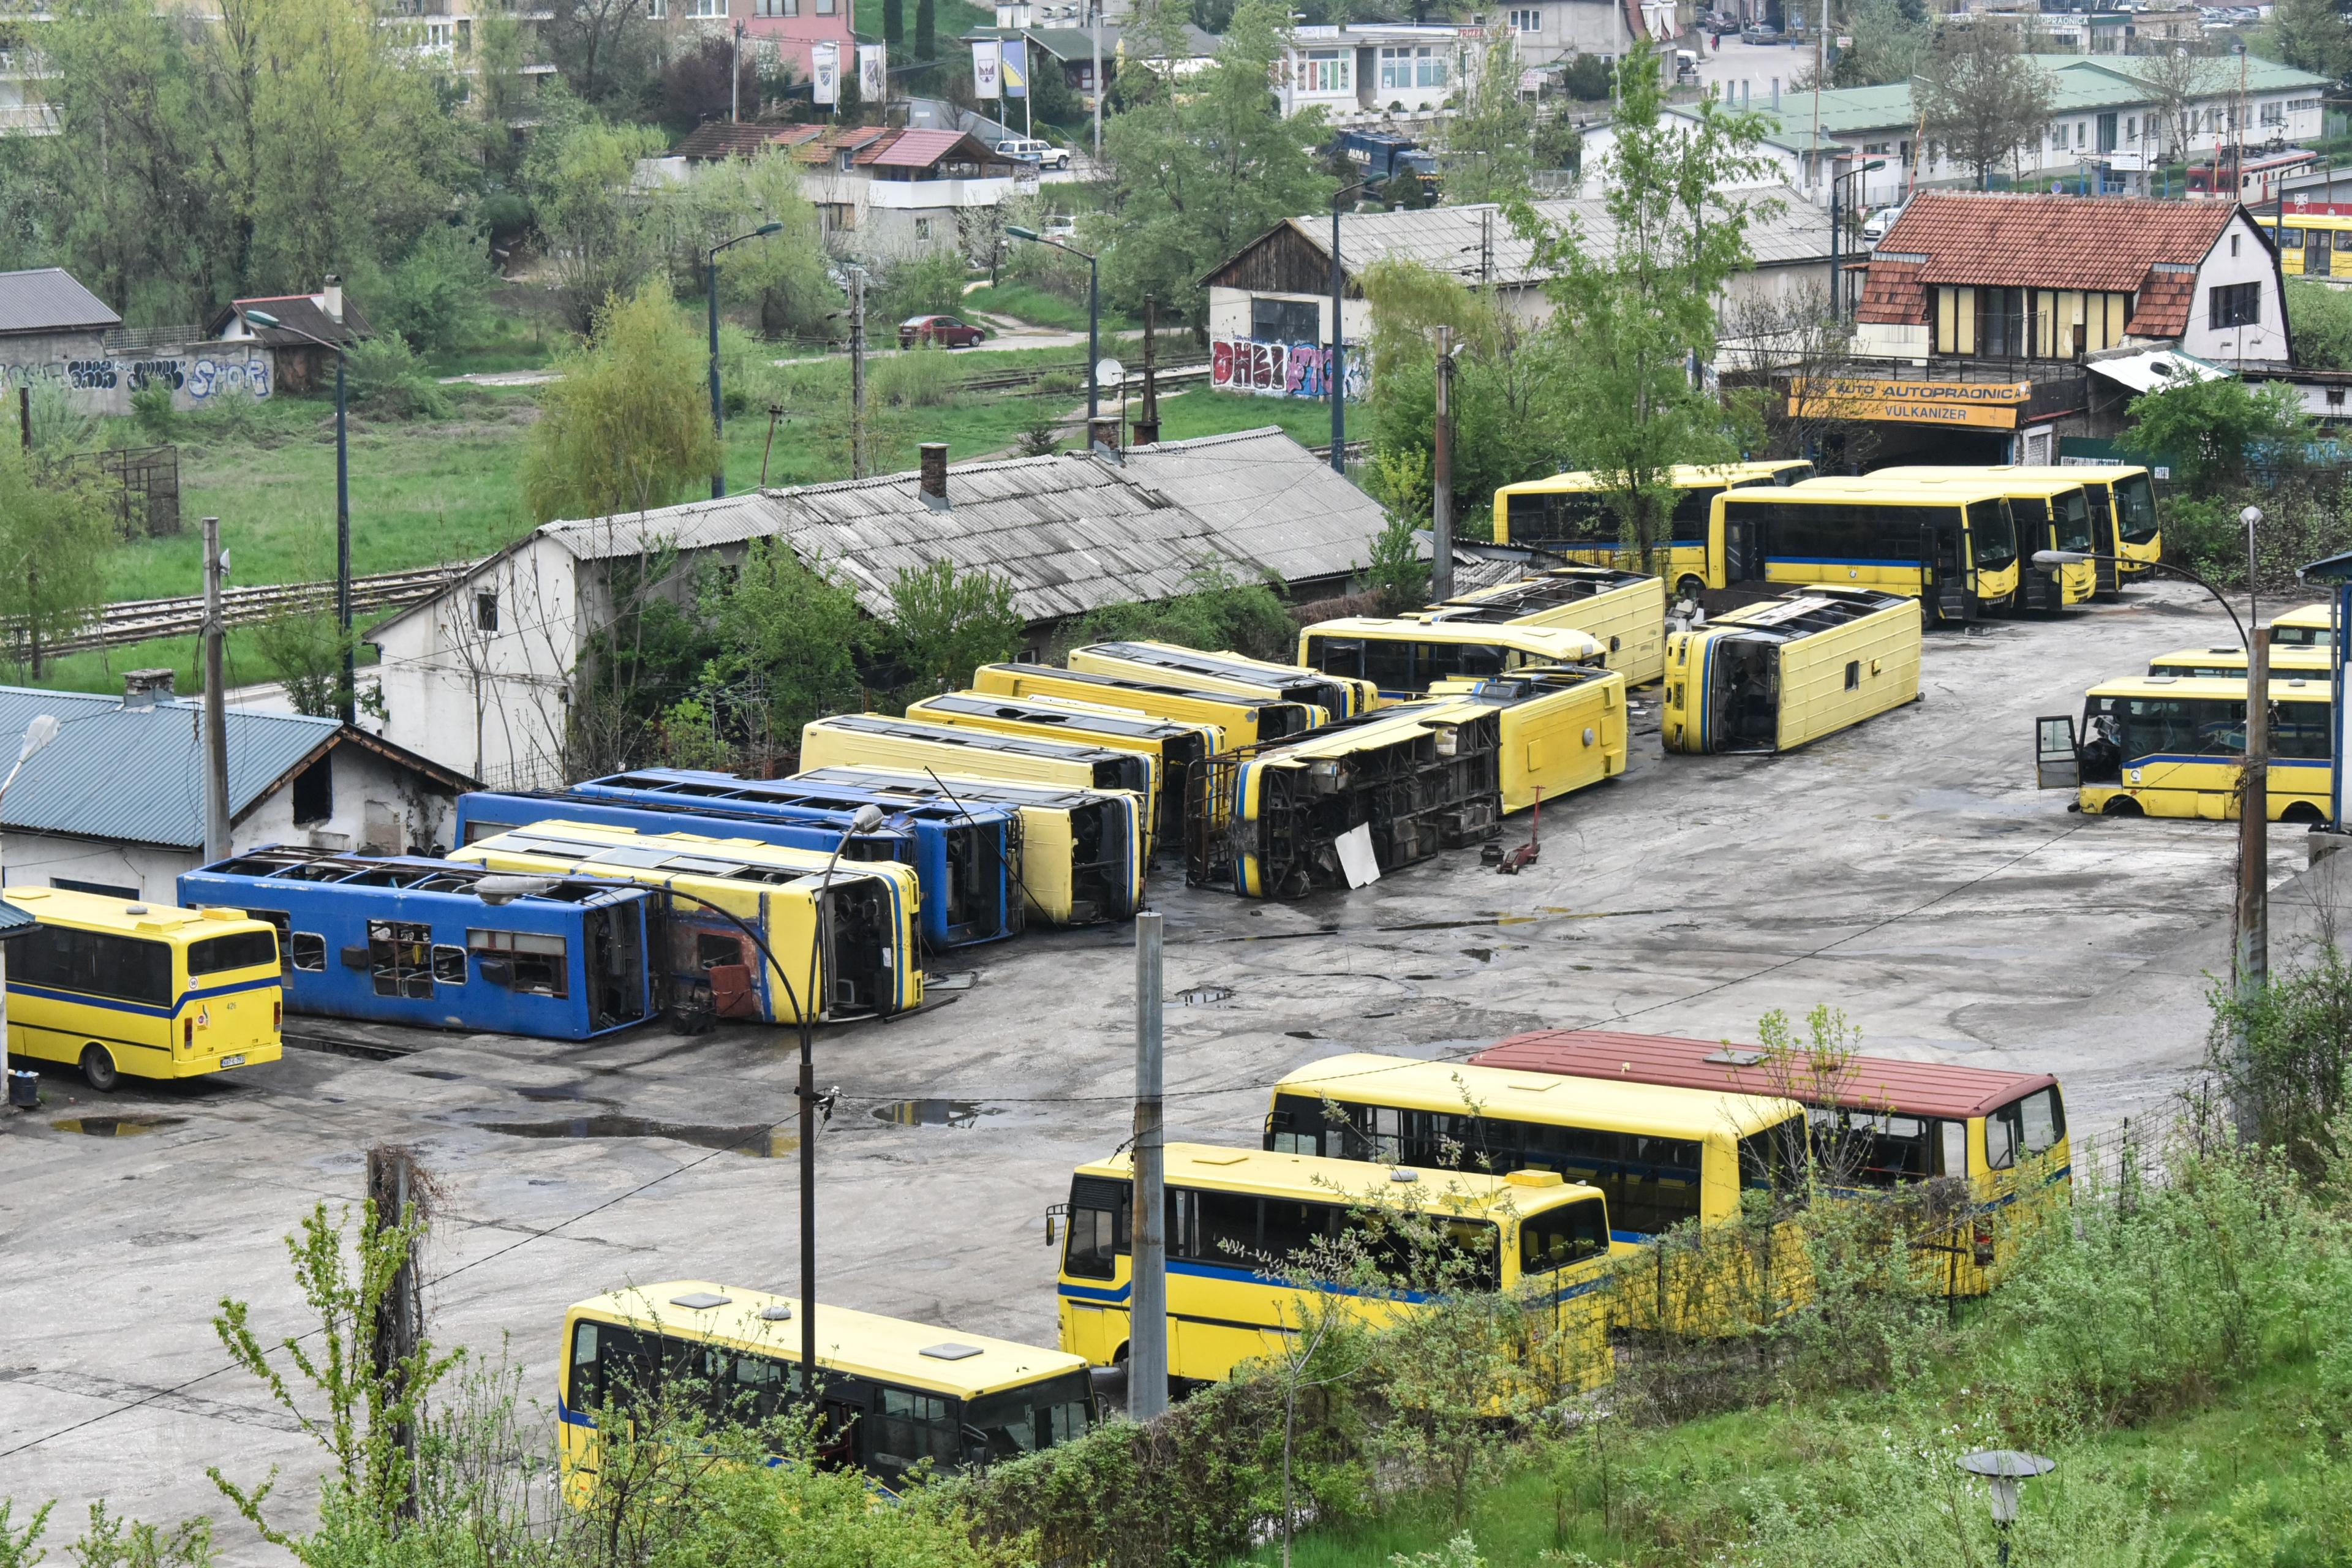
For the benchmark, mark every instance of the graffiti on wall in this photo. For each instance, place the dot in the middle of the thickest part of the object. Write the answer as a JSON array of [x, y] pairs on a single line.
[[198, 376], [1280, 370]]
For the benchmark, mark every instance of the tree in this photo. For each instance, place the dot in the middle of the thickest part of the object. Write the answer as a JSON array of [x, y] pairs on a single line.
[[1772, 344], [927, 34], [2178, 82], [628, 426], [1488, 144], [57, 533], [1983, 96], [1629, 324], [1218, 611], [601, 47], [789, 634], [2321, 320], [1396, 576], [949, 623], [894, 24], [601, 236], [785, 274], [1889, 42], [2213, 432], [2311, 36], [1196, 176], [306, 647]]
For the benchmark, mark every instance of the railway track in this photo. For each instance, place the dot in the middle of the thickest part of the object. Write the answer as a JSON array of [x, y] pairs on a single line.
[[138, 620]]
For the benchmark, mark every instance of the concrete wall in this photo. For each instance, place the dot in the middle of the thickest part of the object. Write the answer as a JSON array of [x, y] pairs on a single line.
[[200, 374]]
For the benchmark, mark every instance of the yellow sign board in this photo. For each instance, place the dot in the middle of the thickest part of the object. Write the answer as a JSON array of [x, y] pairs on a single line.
[[1985, 405]]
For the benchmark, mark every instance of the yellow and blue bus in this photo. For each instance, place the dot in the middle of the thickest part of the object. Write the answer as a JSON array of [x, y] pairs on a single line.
[[1245, 720], [1238, 1218], [1774, 675], [1623, 611], [1405, 657], [116, 986], [1951, 547], [1877, 1124], [1565, 515], [869, 964], [1175, 744], [2162, 745], [1147, 660], [2122, 513], [900, 1401], [2051, 512], [2315, 240]]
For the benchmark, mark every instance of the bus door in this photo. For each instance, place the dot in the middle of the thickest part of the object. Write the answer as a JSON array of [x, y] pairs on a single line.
[[1747, 695], [2104, 540], [2037, 589], [1743, 548], [2318, 252], [1949, 574], [2057, 762]]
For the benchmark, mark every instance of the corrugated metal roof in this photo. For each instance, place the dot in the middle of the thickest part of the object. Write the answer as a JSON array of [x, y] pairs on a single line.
[[49, 300], [137, 774], [1070, 532], [14, 921]]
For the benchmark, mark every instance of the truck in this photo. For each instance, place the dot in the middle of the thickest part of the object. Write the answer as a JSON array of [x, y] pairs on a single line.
[[1382, 155]]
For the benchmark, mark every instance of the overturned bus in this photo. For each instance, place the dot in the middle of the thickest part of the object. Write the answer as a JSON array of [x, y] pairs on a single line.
[[1773, 675]]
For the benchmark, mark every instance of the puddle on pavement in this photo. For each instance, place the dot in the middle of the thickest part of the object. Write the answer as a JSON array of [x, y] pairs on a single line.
[[557, 1091], [115, 1126], [931, 1112], [1302, 1033], [1482, 954], [759, 1143], [435, 1072], [1203, 995]]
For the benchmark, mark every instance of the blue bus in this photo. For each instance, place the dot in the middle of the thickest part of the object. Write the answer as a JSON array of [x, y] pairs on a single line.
[[403, 939], [967, 856]]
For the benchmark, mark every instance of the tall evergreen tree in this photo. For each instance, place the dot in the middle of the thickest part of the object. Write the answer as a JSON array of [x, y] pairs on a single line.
[[894, 23], [926, 31]]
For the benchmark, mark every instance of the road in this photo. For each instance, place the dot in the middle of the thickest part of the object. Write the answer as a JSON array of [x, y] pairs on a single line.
[[1905, 871]]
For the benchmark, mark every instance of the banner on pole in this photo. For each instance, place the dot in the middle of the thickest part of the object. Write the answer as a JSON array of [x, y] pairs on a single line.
[[824, 72], [873, 72], [1015, 68], [987, 73]]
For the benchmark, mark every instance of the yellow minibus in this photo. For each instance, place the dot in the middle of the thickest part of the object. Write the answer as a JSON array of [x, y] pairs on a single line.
[[2162, 745], [1146, 661], [1245, 720], [1623, 611], [1951, 547], [2122, 498], [1772, 676], [2287, 661], [1405, 657], [2305, 625], [901, 1401], [2050, 513], [1238, 1218], [115, 986], [1175, 744], [1565, 516]]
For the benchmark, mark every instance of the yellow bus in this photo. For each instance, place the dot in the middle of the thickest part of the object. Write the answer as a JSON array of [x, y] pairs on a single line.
[[1661, 1157], [150, 990], [877, 741], [2287, 660], [1561, 727], [900, 1400], [1082, 851], [1951, 547], [2050, 512], [1245, 720], [2305, 625], [2313, 242], [2122, 513], [1772, 676], [1175, 744], [1232, 672], [1878, 1124], [1405, 657], [870, 963], [2161, 745], [1623, 611], [1564, 515], [1237, 1216]]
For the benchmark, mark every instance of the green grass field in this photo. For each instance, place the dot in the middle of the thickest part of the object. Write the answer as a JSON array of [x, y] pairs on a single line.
[[1029, 303]]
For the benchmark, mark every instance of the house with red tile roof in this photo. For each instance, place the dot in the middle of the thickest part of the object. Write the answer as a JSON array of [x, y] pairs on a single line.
[[1968, 280], [899, 192]]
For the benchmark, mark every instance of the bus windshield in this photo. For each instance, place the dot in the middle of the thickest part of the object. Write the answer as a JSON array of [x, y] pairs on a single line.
[[1016, 1421], [1991, 534], [240, 950], [2134, 510], [2074, 522]]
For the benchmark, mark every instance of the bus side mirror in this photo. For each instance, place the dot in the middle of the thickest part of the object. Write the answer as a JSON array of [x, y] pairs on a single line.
[[1052, 1233]]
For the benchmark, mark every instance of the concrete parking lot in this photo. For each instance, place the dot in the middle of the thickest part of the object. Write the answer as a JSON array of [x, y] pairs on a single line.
[[1906, 872]]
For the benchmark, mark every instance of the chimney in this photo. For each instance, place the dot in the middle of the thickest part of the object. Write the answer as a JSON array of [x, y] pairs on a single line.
[[935, 475], [1103, 436], [146, 688], [331, 298]]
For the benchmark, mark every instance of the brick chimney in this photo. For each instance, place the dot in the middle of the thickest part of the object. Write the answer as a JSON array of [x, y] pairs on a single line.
[[146, 688], [332, 297], [935, 475]]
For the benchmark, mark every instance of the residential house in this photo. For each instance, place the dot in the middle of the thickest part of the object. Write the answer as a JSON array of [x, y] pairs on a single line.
[[1277, 289], [448, 33], [302, 345], [1059, 41], [51, 328], [1548, 33], [482, 675], [2108, 130], [895, 192], [1371, 68], [115, 805]]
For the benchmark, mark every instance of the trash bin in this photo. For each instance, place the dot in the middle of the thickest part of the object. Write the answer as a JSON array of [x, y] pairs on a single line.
[[24, 1089]]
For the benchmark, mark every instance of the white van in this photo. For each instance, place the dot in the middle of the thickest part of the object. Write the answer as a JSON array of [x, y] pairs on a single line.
[[1028, 149]]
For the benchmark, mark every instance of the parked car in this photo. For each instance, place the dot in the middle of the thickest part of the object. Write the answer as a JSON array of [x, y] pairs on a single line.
[[1029, 150], [1759, 34], [944, 331], [1875, 227], [1716, 23]]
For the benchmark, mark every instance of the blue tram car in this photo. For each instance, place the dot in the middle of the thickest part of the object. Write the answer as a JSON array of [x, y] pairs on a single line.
[[967, 858], [404, 940]]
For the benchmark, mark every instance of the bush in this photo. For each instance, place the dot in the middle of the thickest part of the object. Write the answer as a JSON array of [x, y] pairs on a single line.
[[437, 296], [1218, 613], [152, 407], [924, 377], [385, 379], [2321, 318], [930, 285]]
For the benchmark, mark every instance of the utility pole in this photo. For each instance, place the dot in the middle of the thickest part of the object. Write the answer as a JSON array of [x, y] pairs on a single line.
[[1147, 419], [399, 1323], [1146, 1337], [1440, 498], [1094, 9], [858, 372], [2253, 826], [216, 705], [735, 79]]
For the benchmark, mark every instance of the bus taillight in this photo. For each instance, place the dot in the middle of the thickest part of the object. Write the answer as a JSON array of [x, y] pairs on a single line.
[[187, 1034]]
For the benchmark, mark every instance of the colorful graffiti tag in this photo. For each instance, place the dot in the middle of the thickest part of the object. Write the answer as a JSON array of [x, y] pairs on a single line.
[[1280, 370], [196, 375]]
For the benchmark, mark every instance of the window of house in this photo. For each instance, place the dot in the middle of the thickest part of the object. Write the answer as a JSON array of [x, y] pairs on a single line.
[[922, 228], [1411, 64], [2335, 397], [1285, 320], [2081, 133], [486, 611], [2233, 242], [705, 9], [1328, 71], [2235, 305], [314, 792], [2274, 113], [1527, 21], [2131, 128], [828, 7], [656, 10], [2057, 139]]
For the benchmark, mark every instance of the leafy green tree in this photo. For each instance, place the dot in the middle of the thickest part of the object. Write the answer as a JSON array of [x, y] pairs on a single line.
[[57, 536], [946, 623], [627, 427], [1398, 575], [2213, 433], [1488, 144], [1981, 94], [305, 646], [894, 24], [606, 50], [1219, 612], [1631, 321], [2311, 36], [931, 284], [1197, 174], [927, 35], [1889, 42], [2321, 320], [789, 635], [784, 275], [436, 295], [600, 238]]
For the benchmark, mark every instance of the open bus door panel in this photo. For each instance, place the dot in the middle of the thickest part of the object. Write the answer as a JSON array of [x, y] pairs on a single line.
[[1747, 695], [1948, 573], [2057, 763]]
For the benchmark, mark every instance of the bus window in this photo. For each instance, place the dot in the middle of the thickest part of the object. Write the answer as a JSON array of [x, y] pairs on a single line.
[[244, 949], [1953, 1155], [1687, 525], [1212, 1227], [1098, 1212], [1337, 656], [2134, 510], [1290, 1227], [1016, 1421], [1775, 1158], [1876, 1150], [2041, 1120], [2075, 522], [1561, 1236], [2295, 636], [2300, 731], [1992, 534], [2002, 1128], [400, 959], [908, 1428], [125, 968], [2178, 726], [1388, 664]]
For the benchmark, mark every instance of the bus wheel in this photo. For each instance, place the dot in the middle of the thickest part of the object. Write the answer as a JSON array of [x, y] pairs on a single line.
[[2301, 811], [2122, 806], [98, 1068]]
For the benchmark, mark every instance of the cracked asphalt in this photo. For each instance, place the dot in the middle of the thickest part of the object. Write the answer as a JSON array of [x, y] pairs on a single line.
[[1906, 872]]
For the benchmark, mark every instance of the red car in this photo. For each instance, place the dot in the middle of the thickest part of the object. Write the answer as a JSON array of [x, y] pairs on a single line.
[[944, 331]]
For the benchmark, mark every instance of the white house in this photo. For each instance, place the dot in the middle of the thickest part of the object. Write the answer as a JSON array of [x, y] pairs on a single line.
[[1371, 68], [115, 805]]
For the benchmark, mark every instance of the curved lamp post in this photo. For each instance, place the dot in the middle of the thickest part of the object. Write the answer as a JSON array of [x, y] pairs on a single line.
[[1094, 315], [710, 293], [2006, 1472], [347, 700]]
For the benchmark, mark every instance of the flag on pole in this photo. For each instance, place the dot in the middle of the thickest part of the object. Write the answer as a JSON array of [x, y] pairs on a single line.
[[824, 72], [1015, 69], [873, 72], [987, 63]]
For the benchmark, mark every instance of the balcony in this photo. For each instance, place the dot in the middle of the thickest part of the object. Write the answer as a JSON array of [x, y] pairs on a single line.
[[908, 194]]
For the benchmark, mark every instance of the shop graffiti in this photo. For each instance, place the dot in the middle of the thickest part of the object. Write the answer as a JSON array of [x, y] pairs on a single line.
[[194, 378], [1279, 370], [209, 378]]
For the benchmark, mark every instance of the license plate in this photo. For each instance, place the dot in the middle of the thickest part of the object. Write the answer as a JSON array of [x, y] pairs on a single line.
[[236, 1061]]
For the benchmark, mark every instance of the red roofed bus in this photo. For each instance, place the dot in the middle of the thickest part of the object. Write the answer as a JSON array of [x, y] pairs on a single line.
[[1878, 1122]]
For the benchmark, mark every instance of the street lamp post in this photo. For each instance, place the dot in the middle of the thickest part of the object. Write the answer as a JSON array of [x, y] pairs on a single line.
[[710, 293], [1837, 304], [2005, 1471], [1339, 372], [39, 730], [347, 699], [1094, 309]]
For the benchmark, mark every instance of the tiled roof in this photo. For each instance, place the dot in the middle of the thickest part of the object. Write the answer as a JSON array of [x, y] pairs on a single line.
[[820, 149], [721, 138], [920, 150], [2166, 295], [302, 321], [2008, 241], [1892, 293]]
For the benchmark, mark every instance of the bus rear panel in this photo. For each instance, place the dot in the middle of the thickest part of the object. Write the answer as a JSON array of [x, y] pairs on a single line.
[[1228, 672], [1175, 744]]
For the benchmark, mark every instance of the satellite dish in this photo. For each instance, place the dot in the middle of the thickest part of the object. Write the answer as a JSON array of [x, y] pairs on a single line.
[[1109, 372]]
